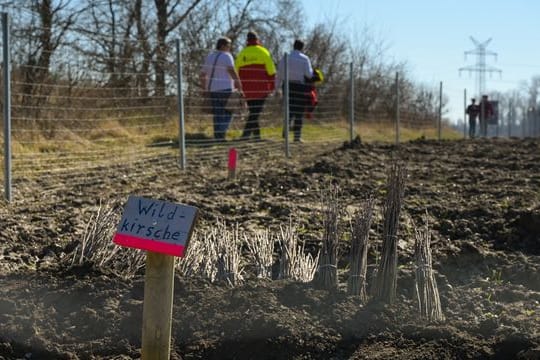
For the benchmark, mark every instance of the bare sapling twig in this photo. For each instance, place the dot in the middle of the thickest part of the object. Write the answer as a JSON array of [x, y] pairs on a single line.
[[214, 255], [229, 249], [261, 247], [359, 248], [97, 235], [306, 265], [386, 281], [196, 258], [375, 267], [201, 257], [429, 303], [326, 276], [209, 254], [98, 249], [288, 238], [294, 263]]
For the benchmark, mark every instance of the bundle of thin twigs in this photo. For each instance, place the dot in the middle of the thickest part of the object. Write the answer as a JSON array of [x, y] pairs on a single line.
[[294, 263], [208, 255], [199, 259], [97, 238], [98, 249], [429, 302], [386, 281], [214, 255], [288, 238], [373, 280], [261, 247], [229, 249], [361, 224], [326, 276], [305, 265], [375, 267]]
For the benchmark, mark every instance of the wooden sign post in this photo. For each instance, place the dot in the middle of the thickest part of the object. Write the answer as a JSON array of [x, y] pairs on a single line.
[[164, 229], [157, 306]]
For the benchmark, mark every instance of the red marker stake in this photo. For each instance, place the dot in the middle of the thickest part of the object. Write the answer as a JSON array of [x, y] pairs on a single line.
[[233, 156]]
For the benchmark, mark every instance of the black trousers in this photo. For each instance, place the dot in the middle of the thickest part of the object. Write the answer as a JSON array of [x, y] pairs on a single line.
[[298, 101], [255, 107], [472, 127]]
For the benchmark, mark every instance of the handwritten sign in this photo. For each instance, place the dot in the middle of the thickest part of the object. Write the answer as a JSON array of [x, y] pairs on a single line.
[[155, 225]]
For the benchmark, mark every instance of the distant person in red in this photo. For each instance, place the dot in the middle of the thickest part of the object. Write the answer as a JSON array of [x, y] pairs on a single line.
[[257, 73], [313, 97], [472, 110], [486, 112]]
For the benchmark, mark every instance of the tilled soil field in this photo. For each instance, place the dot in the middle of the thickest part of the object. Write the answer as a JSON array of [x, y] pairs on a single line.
[[482, 199]]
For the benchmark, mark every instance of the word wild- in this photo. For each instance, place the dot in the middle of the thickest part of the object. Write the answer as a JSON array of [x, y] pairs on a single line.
[[146, 220]]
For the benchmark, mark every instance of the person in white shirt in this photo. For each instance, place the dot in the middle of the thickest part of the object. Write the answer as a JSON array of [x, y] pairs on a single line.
[[300, 76], [219, 78]]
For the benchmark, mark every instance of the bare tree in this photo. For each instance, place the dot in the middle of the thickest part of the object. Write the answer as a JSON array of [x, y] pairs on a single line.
[[127, 44], [143, 40], [41, 28], [125, 38], [534, 90], [423, 107], [107, 42], [169, 15], [276, 22]]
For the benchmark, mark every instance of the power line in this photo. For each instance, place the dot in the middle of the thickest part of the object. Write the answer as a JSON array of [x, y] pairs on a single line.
[[480, 68]]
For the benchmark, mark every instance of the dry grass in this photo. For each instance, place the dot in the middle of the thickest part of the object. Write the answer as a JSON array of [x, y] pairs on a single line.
[[113, 133], [385, 132]]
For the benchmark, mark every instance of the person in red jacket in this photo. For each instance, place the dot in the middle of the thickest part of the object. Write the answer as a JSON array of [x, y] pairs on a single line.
[[257, 72], [486, 112], [313, 97]]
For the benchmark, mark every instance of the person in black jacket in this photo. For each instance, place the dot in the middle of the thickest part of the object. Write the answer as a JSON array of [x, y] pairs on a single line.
[[472, 110]]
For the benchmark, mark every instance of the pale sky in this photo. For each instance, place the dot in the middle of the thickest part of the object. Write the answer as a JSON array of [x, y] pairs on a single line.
[[432, 36]]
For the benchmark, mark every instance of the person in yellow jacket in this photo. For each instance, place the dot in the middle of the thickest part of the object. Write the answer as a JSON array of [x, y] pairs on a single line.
[[257, 73]]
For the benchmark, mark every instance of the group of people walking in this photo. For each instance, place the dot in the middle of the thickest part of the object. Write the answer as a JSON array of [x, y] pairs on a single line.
[[253, 74], [483, 111]]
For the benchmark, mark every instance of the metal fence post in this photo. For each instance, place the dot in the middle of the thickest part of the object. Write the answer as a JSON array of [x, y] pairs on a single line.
[[465, 113], [286, 103], [7, 106], [351, 100], [522, 130], [510, 117], [397, 108], [500, 119], [439, 124], [180, 96]]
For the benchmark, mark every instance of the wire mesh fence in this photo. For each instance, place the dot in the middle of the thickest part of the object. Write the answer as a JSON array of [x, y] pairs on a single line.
[[69, 114]]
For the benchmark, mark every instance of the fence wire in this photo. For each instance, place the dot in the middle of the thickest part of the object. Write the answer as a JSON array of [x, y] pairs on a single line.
[[68, 119]]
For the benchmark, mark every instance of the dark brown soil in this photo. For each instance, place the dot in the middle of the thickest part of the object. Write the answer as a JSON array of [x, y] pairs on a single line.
[[482, 198]]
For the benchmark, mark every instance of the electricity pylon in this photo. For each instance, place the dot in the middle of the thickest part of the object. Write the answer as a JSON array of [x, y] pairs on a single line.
[[480, 68]]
